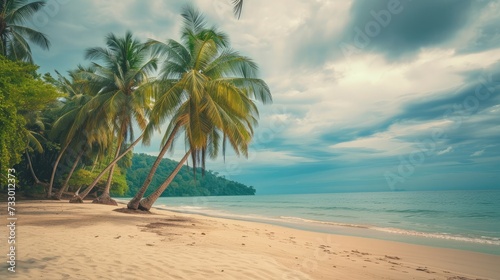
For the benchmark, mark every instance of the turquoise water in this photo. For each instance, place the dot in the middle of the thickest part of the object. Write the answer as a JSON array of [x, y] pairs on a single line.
[[468, 220]]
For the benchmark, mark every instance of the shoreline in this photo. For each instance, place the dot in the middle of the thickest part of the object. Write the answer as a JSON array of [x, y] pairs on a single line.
[[58, 239], [363, 231], [409, 236]]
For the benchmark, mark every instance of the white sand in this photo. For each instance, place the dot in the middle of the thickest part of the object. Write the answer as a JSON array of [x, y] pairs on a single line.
[[58, 240]]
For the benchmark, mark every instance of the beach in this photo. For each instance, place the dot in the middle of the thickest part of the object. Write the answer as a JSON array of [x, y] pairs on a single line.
[[58, 240]]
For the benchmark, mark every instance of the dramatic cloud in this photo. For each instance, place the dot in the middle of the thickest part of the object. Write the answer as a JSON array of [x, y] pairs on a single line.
[[362, 89], [402, 28]]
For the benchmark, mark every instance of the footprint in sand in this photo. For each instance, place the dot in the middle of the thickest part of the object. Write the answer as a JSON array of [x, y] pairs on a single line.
[[424, 269]]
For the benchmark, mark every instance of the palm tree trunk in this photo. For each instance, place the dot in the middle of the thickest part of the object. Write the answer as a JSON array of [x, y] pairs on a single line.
[[66, 182], [109, 180], [4, 42], [92, 185], [105, 198], [148, 202], [134, 202], [37, 181], [94, 165], [49, 192]]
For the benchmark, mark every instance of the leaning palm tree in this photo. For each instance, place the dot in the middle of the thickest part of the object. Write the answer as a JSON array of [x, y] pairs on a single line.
[[14, 35], [65, 185], [75, 126], [208, 92], [124, 93], [237, 130], [86, 137]]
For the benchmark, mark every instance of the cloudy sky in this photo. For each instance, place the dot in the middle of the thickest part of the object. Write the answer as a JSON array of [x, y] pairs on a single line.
[[373, 95]]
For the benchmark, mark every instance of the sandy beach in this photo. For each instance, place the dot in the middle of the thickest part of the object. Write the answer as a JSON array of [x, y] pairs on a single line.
[[58, 240]]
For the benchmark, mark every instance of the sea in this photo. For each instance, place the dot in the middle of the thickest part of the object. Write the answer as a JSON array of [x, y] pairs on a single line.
[[465, 220]]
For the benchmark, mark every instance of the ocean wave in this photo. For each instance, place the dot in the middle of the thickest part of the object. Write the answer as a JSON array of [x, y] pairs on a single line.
[[480, 240], [283, 220], [412, 211], [217, 213], [184, 208], [297, 219]]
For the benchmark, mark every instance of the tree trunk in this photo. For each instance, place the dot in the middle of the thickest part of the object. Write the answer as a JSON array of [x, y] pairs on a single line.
[[134, 202], [148, 202], [91, 186], [94, 165], [105, 198], [66, 182], [49, 192], [33, 171]]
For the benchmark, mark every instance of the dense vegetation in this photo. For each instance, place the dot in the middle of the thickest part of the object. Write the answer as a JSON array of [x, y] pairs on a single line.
[[184, 184], [74, 134], [22, 95]]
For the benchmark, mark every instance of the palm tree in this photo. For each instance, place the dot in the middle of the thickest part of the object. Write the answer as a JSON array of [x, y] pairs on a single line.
[[78, 126], [214, 88], [35, 127], [14, 35], [65, 185], [123, 92], [90, 136]]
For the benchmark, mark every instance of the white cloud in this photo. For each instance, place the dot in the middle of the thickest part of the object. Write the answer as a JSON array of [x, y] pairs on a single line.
[[399, 138], [445, 151], [337, 94], [477, 153]]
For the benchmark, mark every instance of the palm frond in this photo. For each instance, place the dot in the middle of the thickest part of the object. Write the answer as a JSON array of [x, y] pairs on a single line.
[[33, 142], [14, 15], [34, 36], [20, 14], [238, 7], [194, 21], [18, 48]]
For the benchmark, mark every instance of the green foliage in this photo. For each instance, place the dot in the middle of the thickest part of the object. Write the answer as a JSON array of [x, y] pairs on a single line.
[[83, 177], [208, 90], [21, 94], [184, 183], [119, 186], [205, 89], [15, 32], [11, 130], [40, 167]]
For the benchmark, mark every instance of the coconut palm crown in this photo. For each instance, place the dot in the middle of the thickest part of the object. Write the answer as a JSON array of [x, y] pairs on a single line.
[[207, 92], [119, 75], [210, 90], [14, 34]]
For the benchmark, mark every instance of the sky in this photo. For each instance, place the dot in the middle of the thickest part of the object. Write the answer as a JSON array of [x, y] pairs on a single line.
[[380, 95]]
